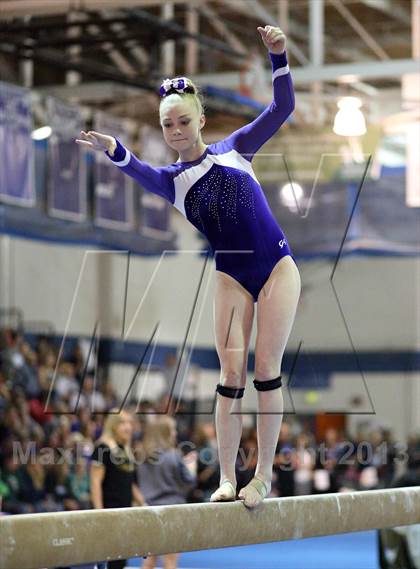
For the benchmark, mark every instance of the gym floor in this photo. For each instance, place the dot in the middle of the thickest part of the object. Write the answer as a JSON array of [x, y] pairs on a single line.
[[346, 551]]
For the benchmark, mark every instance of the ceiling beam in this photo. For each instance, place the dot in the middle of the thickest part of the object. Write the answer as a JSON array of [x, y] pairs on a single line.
[[92, 91], [119, 27], [394, 68], [180, 32], [25, 8], [114, 54], [65, 41], [221, 28], [88, 68], [168, 29], [388, 7], [359, 29], [295, 31], [253, 9], [103, 91], [31, 26]]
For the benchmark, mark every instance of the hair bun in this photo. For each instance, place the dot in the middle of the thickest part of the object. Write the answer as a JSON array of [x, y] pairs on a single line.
[[176, 85]]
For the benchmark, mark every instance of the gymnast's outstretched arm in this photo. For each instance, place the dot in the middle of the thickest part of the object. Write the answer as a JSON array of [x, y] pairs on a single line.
[[155, 180]]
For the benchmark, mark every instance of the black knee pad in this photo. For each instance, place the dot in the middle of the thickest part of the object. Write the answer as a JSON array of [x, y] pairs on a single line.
[[268, 385], [232, 392]]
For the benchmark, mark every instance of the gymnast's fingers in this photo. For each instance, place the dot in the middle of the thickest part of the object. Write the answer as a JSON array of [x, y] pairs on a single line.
[[272, 34], [92, 137], [263, 31], [105, 138], [84, 143], [277, 37], [83, 134]]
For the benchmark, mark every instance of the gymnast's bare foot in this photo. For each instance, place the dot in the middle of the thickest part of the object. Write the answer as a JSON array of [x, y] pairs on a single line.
[[254, 492], [225, 493]]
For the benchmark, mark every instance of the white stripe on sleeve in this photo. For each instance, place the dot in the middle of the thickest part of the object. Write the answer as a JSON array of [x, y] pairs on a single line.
[[280, 72], [125, 161]]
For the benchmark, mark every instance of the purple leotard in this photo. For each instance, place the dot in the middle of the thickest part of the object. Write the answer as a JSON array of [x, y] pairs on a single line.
[[220, 194]]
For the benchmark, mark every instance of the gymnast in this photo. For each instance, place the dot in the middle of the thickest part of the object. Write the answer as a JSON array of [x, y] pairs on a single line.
[[214, 186]]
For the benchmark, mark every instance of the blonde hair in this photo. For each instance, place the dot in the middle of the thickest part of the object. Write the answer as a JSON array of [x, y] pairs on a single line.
[[158, 435], [113, 419], [195, 97]]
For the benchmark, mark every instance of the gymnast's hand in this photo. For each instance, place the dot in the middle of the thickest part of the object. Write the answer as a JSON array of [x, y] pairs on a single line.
[[97, 141], [273, 38]]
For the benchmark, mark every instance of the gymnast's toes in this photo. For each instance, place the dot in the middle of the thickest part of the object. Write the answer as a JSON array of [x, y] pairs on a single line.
[[254, 492], [225, 493]]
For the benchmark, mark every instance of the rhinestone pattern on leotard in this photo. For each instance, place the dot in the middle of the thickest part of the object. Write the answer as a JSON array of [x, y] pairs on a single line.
[[219, 196]]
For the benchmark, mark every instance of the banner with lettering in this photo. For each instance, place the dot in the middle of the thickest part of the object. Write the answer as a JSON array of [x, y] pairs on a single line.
[[17, 180], [154, 210], [114, 198], [66, 162]]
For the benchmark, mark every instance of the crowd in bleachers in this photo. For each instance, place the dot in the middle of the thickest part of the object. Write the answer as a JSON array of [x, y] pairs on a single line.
[[48, 433]]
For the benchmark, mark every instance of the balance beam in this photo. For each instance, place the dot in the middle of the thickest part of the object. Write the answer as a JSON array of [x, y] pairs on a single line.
[[35, 541]]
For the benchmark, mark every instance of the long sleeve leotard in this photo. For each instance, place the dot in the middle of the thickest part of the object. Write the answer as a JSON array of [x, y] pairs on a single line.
[[220, 194]]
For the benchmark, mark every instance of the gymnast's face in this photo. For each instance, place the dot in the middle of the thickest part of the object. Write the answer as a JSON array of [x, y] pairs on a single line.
[[181, 122]]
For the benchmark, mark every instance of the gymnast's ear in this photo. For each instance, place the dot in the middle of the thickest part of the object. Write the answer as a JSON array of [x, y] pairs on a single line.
[[202, 120]]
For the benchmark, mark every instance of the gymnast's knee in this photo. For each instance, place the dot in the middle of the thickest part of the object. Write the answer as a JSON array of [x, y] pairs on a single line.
[[230, 391], [232, 379], [268, 384]]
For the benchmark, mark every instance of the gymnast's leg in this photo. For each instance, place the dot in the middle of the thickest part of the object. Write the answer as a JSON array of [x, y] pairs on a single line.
[[276, 309], [150, 562], [170, 560], [233, 315]]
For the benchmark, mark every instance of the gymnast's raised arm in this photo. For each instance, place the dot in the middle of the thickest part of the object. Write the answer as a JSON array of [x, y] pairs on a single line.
[[249, 138], [155, 180]]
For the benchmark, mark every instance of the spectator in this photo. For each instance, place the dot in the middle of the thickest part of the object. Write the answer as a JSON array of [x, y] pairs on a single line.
[[283, 463], [78, 484], [65, 384], [111, 399], [328, 468], [247, 457], [413, 452], [88, 397], [33, 489], [12, 479], [57, 484], [44, 348], [4, 391], [47, 368], [112, 472], [208, 471], [10, 344], [304, 464], [84, 358], [180, 377], [164, 475], [4, 492], [40, 409]]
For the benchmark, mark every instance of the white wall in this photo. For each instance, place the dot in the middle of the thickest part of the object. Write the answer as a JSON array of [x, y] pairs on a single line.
[[378, 296]]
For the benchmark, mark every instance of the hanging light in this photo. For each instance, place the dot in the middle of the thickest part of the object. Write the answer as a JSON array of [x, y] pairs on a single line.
[[41, 133], [291, 195], [349, 120]]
